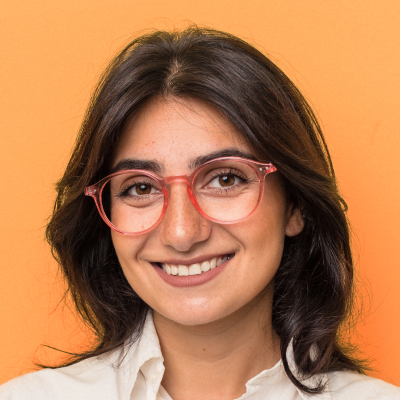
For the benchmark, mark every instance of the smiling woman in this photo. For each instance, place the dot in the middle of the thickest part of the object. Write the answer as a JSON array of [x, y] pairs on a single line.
[[229, 233], [217, 264]]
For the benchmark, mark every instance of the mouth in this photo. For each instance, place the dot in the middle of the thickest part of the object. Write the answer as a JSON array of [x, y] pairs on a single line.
[[196, 268]]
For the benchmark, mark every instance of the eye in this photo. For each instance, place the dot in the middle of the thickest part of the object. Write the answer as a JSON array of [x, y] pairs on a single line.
[[225, 180], [141, 189]]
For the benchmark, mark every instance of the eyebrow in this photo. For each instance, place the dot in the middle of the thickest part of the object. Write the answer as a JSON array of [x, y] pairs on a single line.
[[131, 163], [153, 166], [230, 152]]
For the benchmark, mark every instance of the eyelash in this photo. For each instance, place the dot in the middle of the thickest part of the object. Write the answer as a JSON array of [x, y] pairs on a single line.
[[124, 190], [230, 172]]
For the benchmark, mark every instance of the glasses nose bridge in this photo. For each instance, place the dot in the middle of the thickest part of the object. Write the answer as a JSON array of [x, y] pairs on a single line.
[[177, 179], [181, 179]]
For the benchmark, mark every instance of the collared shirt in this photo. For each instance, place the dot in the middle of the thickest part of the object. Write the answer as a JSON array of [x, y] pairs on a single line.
[[135, 372]]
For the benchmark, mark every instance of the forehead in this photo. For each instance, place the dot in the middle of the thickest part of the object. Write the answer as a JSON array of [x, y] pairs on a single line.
[[174, 132]]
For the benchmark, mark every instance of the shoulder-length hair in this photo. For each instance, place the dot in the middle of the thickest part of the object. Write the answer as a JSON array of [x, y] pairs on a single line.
[[313, 285]]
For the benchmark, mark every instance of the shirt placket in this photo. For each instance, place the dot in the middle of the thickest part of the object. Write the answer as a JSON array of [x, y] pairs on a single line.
[[154, 379]]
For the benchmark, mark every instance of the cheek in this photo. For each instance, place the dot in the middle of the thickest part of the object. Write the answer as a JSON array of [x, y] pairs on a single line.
[[266, 228], [262, 237], [127, 249]]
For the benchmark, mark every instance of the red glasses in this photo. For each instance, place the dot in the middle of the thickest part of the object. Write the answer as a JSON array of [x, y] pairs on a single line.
[[225, 190]]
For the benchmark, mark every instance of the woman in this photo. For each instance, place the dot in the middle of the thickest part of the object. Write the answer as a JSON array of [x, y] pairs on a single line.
[[217, 264]]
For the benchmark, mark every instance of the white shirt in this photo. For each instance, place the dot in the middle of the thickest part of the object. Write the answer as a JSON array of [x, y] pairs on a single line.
[[135, 373]]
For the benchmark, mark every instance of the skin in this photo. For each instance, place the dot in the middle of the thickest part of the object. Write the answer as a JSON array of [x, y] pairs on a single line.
[[215, 336]]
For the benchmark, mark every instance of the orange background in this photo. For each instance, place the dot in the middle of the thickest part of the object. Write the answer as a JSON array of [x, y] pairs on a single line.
[[344, 56]]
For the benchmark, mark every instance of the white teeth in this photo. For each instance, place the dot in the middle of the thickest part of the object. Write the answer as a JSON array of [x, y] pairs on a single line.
[[174, 270], [183, 270], [205, 266], [194, 269]]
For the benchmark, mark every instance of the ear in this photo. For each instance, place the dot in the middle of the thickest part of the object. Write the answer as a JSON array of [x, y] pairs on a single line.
[[294, 221]]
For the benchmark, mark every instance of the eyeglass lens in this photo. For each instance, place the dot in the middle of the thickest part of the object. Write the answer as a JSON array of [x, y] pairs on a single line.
[[225, 191]]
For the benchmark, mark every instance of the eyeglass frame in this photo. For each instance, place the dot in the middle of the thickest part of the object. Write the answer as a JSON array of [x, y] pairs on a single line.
[[96, 190]]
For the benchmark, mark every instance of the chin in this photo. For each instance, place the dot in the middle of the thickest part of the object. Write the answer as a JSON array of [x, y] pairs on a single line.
[[197, 314]]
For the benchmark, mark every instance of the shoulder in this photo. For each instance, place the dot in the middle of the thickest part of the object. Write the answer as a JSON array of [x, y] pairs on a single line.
[[109, 376], [89, 379], [351, 385]]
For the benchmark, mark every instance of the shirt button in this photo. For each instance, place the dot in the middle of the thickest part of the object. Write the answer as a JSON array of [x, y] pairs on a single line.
[[153, 378]]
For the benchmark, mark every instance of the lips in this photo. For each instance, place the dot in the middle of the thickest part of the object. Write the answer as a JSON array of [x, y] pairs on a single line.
[[195, 268], [197, 273]]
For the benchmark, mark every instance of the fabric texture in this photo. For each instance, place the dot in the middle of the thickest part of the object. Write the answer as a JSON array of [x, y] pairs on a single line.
[[135, 372]]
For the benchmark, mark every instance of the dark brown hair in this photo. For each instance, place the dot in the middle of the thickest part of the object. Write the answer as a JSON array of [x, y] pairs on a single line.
[[313, 289]]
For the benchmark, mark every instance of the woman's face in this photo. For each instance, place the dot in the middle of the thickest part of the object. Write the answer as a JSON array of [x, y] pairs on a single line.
[[173, 134]]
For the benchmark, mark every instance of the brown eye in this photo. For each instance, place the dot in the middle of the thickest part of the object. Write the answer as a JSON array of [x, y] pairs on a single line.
[[226, 180], [143, 189]]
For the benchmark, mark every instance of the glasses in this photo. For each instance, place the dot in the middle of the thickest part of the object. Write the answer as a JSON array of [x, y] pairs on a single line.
[[225, 190]]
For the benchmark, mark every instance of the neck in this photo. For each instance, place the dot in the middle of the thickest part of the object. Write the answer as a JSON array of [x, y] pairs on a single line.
[[215, 360]]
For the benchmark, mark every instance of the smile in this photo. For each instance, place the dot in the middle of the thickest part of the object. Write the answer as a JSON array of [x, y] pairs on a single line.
[[195, 269]]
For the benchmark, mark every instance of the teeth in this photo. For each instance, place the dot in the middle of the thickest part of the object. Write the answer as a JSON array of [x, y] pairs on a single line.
[[213, 263], [174, 270], [183, 270], [205, 266], [194, 269]]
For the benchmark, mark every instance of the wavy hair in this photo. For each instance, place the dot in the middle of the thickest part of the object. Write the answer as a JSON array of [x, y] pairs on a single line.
[[313, 285]]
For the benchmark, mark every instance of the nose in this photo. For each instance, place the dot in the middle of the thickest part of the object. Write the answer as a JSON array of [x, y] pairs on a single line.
[[183, 226]]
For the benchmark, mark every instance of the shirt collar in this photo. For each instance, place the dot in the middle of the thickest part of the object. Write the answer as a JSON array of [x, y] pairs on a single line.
[[312, 381], [145, 355]]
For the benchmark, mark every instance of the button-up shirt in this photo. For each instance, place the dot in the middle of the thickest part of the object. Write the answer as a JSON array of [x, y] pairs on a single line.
[[135, 372]]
